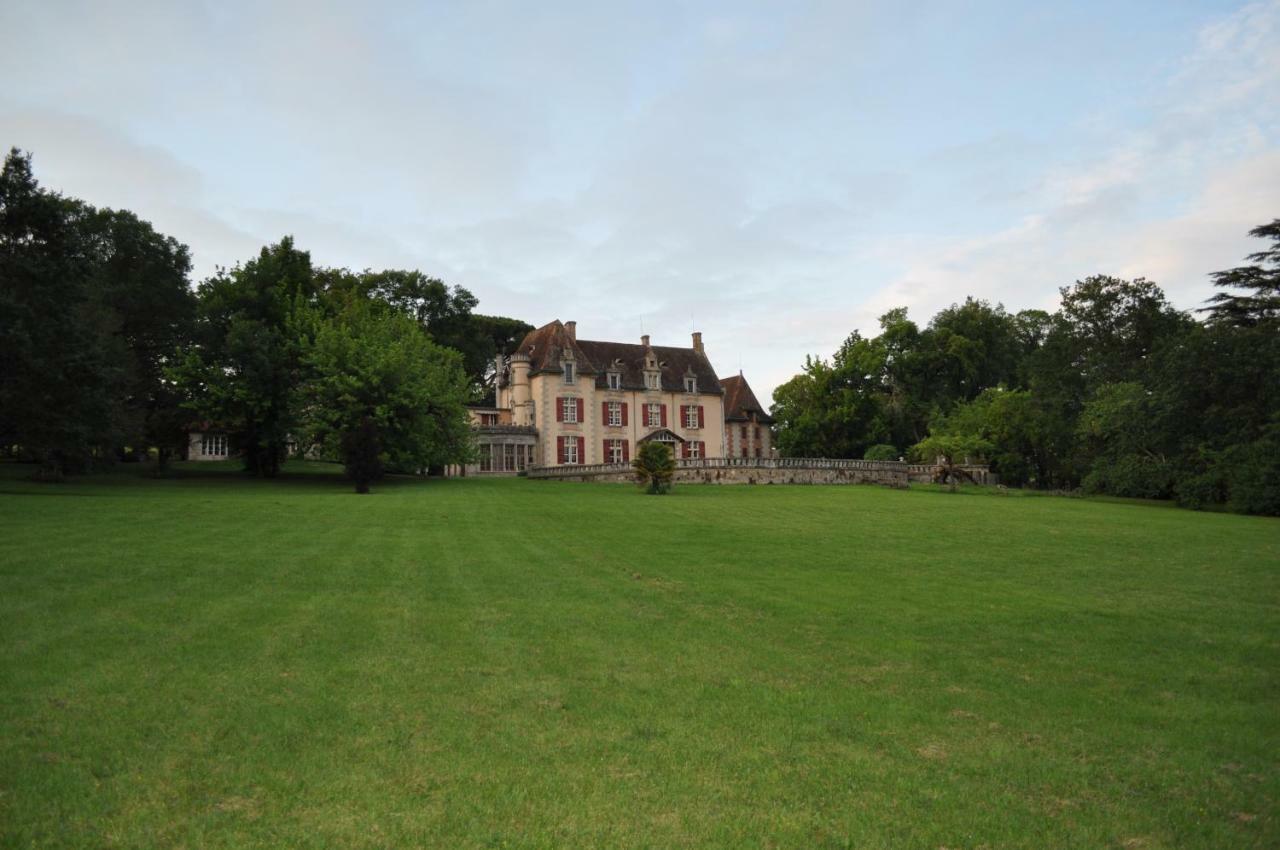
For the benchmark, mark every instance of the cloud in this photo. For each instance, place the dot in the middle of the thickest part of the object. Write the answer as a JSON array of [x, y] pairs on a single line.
[[772, 176]]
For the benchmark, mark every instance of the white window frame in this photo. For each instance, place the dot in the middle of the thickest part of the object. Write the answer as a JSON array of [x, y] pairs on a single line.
[[570, 376], [569, 406], [615, 413], [615, 451], [653, 414], [615, 381], [695, 449], [690, 384], [691, 417], [652, 380], [571, 450]]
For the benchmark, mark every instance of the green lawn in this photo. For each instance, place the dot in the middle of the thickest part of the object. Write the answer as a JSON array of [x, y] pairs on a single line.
[[216, 662]]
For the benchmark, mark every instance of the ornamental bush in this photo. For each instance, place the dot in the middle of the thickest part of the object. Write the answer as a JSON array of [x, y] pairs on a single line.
[[881, 451], [654, 468]]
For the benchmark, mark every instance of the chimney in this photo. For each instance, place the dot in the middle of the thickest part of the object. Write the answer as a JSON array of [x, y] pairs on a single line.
[[697, 342], [571, 328], [644, 340]]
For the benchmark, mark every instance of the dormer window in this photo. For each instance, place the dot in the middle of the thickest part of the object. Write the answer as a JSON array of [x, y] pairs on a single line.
[[651, 380], [615, 381], [690, 384], [568, 372]]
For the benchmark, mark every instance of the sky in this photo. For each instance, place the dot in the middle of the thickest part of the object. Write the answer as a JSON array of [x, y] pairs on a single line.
[[774, 175]]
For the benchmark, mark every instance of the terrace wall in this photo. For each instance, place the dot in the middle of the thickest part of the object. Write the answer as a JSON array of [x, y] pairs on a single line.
[[744, 470]]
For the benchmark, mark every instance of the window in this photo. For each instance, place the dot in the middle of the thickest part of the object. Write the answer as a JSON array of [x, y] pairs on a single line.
[[569, 405], [488, 419], [651, 380], [744, 432], [694, 448], [213, 445], [691, 416], [743, 452], [509, 457], [653, 415], [486, 458], [690, 384], [757, 433], [522, 457], [616, 453], [615, 381], [571, 450], [615, 413], [568, 372], [757, 451]]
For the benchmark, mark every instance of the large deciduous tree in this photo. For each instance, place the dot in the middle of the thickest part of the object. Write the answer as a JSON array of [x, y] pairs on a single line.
[[380, 393], [91, 304], [240, 373], [442, 311]]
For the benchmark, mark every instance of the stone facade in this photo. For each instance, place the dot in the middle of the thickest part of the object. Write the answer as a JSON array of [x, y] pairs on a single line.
[[562, 401], [748, 428]]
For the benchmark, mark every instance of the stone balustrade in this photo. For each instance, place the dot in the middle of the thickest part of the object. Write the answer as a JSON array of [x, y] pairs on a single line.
[[746, 470]]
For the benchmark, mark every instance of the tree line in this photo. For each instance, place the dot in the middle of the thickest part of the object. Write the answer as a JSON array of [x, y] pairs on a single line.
[[108, 353], [1115, 392]]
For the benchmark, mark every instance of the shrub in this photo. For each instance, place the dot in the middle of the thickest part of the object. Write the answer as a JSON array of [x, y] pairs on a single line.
[[654, 467], [881, 451]]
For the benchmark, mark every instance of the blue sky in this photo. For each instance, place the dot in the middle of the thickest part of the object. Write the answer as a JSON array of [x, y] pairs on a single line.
[[774, 175]]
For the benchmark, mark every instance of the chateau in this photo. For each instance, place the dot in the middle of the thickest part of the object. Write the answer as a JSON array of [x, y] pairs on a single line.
[[564, 401]]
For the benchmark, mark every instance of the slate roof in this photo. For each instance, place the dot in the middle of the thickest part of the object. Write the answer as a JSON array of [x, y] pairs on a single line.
[[547, 344], [740, 403]]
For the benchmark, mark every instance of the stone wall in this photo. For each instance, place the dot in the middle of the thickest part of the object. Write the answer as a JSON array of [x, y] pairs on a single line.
[[922, 473], [890, 473]]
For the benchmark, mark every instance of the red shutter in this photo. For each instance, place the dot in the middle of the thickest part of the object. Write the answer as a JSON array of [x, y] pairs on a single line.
[[664, 416], [582, 448], [604, 458], [702, 418], [604, 413], [582, 411], [560, 416], [684, 450], [624, 413], [626, 448], [560, 450]]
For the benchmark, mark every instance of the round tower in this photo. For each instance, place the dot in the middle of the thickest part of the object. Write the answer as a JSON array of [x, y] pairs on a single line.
[[521, 413]]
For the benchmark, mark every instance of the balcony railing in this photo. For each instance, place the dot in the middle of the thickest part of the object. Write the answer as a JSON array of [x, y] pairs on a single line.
[[505, 429]]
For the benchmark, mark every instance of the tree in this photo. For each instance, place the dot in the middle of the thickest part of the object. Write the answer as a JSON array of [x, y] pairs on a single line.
[[654, 467], [1260, 301], [1125, 443], [379, 393], [141, 277], [245, 362], [835, 409], [91, 302], [1025, 443], [970, 347], [949, 453], [442, 311]]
